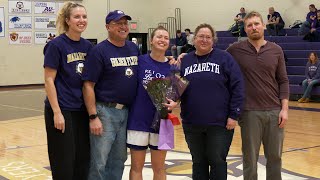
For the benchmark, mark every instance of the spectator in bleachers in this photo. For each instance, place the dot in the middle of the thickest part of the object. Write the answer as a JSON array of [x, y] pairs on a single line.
[[314, 33], [312, 77], [189, 46], [311, 16], [179, 43], [238, 28], [275, 22]]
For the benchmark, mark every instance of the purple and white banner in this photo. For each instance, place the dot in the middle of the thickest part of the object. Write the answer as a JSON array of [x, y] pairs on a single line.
[[20, 22], [45, 22], [45, 7], [43, 37]]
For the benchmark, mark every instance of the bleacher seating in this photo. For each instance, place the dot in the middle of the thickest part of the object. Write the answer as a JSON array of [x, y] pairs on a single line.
[[296, 49]]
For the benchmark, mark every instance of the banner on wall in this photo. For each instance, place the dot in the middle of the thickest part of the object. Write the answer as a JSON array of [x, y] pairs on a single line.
[[43, 37], [20, 22], [20, 38], [60, 5], [44, 7], [45, 22], [2, 26], [19, 7]]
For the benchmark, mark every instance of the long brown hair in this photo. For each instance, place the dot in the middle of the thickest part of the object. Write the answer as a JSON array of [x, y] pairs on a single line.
[[316, 58], [64, 14]]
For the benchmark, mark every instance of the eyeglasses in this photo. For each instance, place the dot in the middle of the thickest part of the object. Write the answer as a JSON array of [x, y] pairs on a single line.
[[120, 23], [203, 37]]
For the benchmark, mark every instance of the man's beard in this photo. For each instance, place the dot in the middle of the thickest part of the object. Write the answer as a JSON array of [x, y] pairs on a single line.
[[255, 36]]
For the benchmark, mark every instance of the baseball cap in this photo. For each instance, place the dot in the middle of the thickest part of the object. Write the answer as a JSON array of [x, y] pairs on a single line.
[[116, 15]]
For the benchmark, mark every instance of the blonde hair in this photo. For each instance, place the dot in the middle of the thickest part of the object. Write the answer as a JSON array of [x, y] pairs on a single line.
[[64, 14]]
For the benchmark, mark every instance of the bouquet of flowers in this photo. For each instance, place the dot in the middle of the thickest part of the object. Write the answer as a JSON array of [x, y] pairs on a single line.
[[159, 89]]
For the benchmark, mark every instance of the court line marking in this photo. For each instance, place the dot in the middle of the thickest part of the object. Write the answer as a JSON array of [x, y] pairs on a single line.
[[26, 90], [34, 118], [301, 149], [16, 107], [304, 108]]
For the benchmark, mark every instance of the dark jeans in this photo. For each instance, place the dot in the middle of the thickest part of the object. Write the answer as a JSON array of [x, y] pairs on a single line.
[[69, 152], [209, 147], [276, 27]]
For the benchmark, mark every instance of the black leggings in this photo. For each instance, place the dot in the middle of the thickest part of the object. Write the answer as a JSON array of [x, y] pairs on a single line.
[[69, 152]]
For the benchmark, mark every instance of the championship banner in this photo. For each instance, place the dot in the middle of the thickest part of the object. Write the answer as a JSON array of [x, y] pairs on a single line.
[[20, 38], [2, 26], [43, 37], [20, 22], [45, 22], [20, 7], [44, 7]]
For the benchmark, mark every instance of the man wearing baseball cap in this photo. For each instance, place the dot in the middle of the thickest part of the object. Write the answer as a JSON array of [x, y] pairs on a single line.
[[110, 83]]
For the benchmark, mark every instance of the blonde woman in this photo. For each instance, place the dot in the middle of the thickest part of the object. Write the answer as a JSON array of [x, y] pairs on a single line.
[[65, 114]]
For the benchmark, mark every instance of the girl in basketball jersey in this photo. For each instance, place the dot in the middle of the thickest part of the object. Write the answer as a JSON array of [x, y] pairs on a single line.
[[140, 135], [65, 114]]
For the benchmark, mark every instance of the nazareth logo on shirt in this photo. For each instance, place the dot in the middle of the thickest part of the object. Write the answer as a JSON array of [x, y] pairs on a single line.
[[202, 67], [129, 72]]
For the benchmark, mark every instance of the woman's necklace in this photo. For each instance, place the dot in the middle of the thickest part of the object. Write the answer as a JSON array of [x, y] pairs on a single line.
[[204, 59]]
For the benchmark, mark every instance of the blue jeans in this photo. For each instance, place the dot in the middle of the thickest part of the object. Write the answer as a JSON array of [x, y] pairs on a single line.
[[304, 29], [209, 147], [307, 88], [109, 151], [176, 52]]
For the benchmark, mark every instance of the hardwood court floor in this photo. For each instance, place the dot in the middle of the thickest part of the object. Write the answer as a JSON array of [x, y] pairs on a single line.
[[23, 146]]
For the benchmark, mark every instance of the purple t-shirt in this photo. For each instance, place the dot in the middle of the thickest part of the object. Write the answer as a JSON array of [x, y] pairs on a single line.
[[142, 111], [114, 70], [67, 57], [311, 14]]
